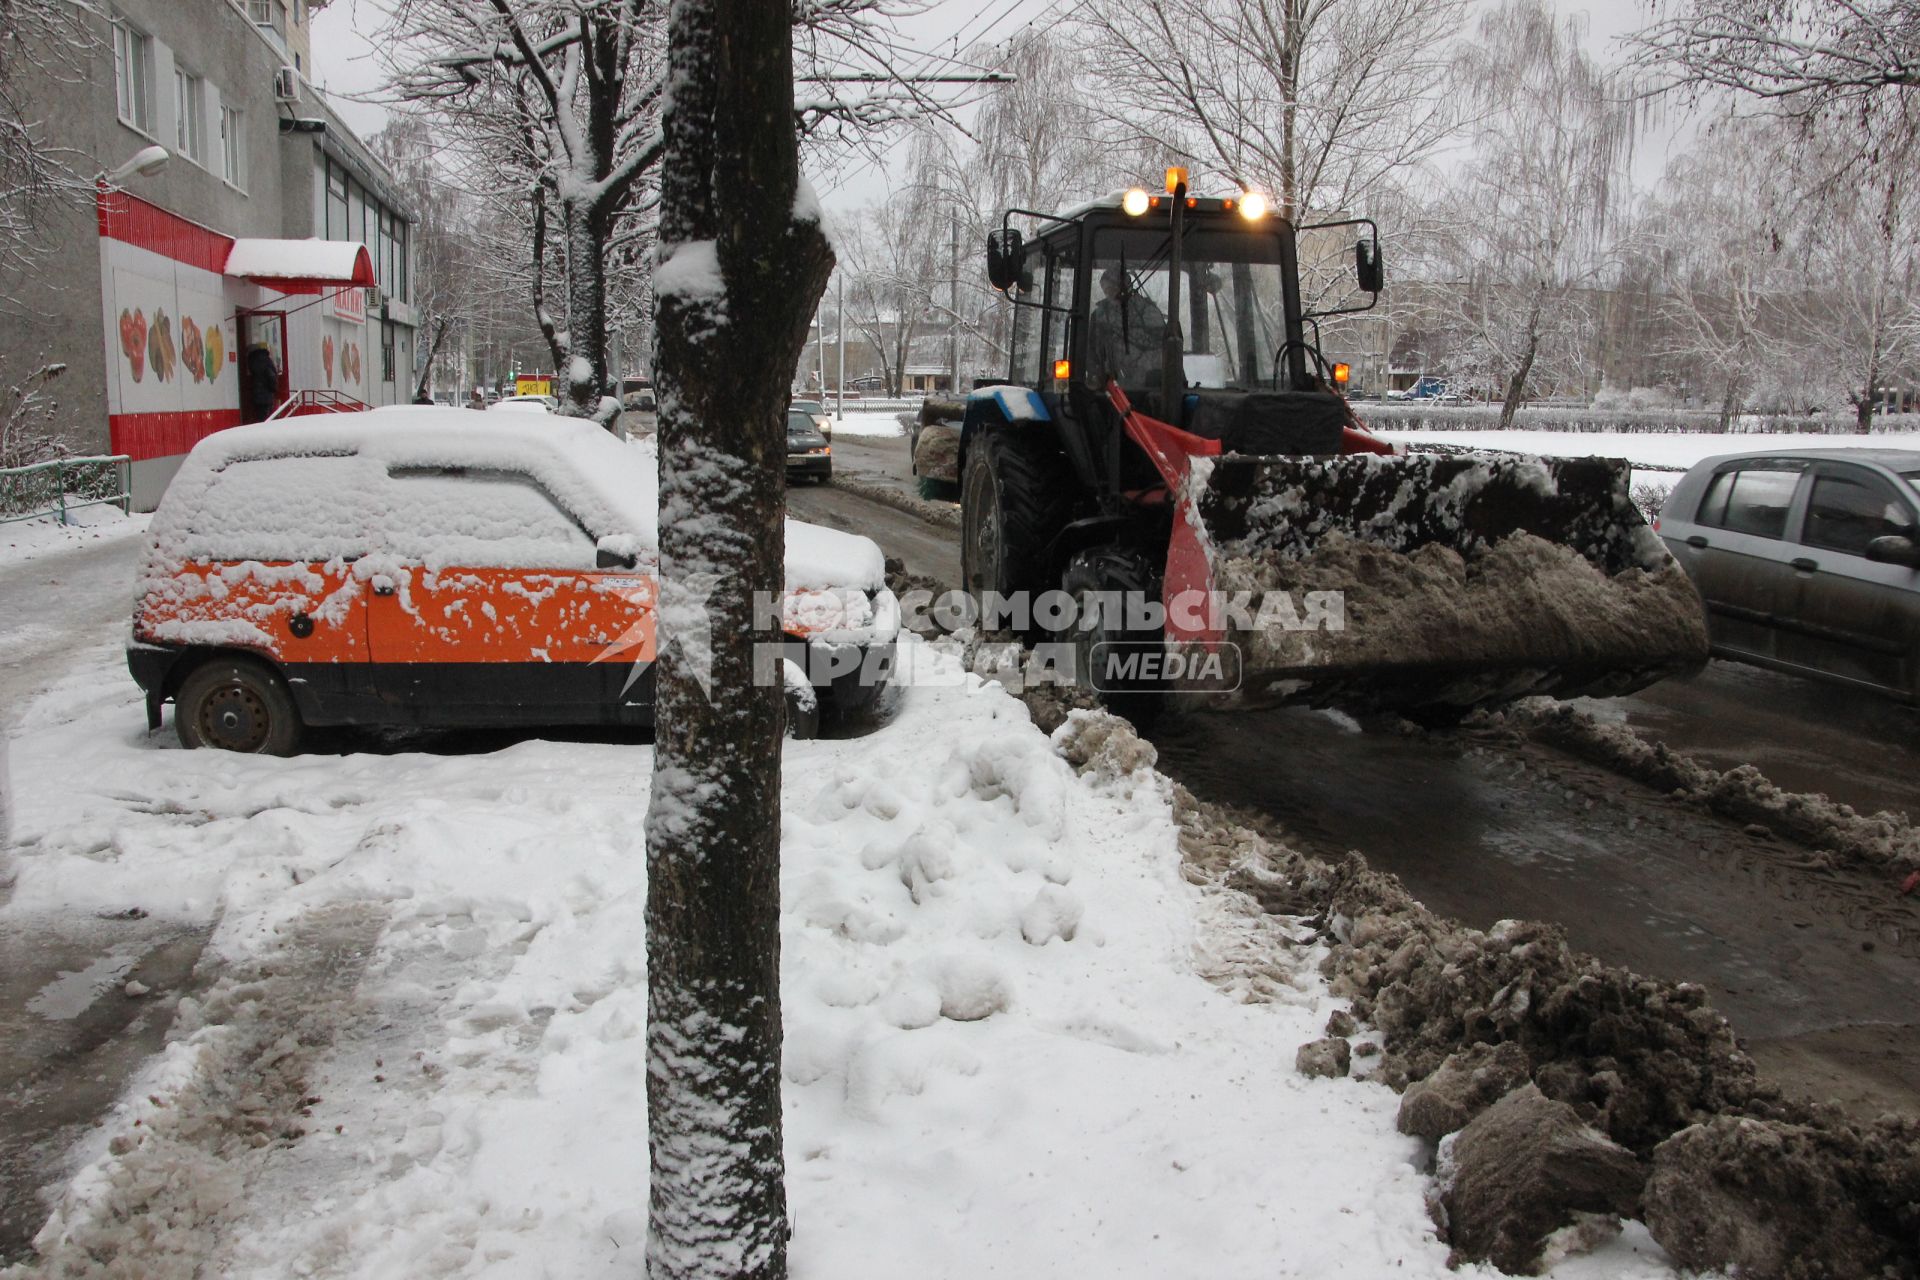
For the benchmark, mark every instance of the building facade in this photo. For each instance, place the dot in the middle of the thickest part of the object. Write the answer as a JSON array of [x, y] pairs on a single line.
[[162, 297]]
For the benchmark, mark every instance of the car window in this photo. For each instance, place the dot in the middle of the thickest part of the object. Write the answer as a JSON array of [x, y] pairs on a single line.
[[1755, 501], [799, 423], [482, 519], [291, 509], [1713, 506], [1846, 512]]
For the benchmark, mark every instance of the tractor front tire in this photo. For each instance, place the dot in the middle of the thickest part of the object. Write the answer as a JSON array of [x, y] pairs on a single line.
[[237, 704], [1015, 497]]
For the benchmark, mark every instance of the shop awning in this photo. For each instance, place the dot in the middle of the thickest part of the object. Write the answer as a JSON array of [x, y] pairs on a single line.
[[301, 266]]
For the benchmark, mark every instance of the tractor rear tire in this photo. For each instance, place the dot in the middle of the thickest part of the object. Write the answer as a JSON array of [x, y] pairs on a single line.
[[1015, 497]]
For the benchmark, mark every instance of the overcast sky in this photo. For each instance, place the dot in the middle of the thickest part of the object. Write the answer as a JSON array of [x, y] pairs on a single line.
[[343, 64]]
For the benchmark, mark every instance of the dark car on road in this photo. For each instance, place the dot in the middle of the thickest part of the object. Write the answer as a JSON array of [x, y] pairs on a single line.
[[1808, 560], [808, 453]]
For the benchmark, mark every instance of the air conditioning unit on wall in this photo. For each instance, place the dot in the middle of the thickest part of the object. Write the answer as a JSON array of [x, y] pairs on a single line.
[[286, 85]]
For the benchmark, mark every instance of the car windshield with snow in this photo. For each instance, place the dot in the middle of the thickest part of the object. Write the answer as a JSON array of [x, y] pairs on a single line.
[[425, 567], [1808, 560]]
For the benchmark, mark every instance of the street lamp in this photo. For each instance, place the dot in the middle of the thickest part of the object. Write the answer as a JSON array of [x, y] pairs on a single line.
[[145, 162]]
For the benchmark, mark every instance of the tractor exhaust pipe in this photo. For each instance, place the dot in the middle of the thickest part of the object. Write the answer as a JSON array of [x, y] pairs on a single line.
[[1173, 364]]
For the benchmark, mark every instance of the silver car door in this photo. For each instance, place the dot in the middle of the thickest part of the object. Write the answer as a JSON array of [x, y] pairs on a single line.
[[1734, 548], [1850, 617]]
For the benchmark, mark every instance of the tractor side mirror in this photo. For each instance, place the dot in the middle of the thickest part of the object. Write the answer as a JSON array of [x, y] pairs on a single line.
[[1894, 549], [1005, 254], [1367, 266]]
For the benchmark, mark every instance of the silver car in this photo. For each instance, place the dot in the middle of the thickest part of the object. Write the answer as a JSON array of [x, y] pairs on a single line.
[[1808, 560]]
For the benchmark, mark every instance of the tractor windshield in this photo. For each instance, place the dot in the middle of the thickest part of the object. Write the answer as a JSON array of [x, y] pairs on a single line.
[[1232, 305]]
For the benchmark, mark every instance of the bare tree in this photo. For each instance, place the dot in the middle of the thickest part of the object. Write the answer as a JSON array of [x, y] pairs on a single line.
[[444, 279], [742, 262], [1523, 232], [1715, 236], [894, 265], [566, 95], [1856, 59], [1312, 101], [1859, 304]]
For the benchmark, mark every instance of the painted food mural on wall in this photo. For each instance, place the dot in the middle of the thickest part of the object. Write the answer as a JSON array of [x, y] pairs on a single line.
[[133, 340], [326, 357], [174, 347]]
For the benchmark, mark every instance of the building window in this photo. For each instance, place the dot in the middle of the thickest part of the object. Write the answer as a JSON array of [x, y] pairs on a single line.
[[133, 75], [336, 204], [233, 151], [386, 352], [269, 13], [190, 96]]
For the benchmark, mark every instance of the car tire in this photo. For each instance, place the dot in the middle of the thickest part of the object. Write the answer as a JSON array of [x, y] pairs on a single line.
[[237, 704]]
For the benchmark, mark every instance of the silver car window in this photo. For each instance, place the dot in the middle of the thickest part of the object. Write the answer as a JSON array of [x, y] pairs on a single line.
[[1756, 502], [1845, 513]]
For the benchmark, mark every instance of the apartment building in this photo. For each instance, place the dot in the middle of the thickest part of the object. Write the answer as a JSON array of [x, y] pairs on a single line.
[[265, 267]]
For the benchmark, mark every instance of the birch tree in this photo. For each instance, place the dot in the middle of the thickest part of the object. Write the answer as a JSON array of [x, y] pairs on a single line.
[[1311, 101], [742, 262], [1524, 230], [1852, 60], [1716, 236]]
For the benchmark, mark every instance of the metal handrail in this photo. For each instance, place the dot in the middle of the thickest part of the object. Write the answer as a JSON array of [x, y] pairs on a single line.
[[57, 501]]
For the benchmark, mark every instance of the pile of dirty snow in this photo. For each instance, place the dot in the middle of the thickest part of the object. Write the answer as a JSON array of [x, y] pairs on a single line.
[[1531, 612]]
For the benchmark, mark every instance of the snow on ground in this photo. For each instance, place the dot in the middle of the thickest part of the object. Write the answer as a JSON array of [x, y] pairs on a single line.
[[867, 422], [31, 539], [1001, 1057]]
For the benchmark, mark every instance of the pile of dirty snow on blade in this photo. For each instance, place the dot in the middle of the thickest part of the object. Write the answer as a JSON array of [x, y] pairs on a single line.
[[1524, 604]]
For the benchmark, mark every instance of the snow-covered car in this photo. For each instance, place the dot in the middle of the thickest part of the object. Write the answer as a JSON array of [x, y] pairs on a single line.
[[1808, 560], [526, 404], [421, 566]]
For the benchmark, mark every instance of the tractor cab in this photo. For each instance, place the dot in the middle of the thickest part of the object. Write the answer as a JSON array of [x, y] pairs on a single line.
[[1196, 308]]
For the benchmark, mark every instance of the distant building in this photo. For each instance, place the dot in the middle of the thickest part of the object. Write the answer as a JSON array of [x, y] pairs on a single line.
[[157, 297]]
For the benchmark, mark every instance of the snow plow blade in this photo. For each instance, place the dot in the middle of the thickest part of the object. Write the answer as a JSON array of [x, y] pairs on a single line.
[[1431, 584]]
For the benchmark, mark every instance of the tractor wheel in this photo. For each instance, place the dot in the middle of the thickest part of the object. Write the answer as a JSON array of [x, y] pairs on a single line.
[[1015, 496], [1098, 637], [236, 704]]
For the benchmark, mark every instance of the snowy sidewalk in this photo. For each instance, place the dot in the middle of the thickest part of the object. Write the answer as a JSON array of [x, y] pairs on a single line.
[[423, 1054]]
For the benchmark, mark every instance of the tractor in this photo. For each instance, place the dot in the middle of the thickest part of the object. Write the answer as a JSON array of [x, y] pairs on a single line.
[[1171, 452]]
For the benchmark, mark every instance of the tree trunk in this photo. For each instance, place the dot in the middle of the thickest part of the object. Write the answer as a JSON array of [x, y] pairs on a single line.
[[586, 232], [727, 350], [1517, 385], [439, 328]]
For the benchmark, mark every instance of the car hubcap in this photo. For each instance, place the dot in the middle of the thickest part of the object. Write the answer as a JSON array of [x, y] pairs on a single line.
[[234, 718]]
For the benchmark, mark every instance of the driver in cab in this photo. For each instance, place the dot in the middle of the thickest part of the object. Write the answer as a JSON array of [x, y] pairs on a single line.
[[1126, 334]]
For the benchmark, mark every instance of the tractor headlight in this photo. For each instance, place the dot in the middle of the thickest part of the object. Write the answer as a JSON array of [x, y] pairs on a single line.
[[1134, 203], [1253, 206]]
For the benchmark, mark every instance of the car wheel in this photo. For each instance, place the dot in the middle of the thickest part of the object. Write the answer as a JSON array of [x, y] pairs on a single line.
[[237, 704]]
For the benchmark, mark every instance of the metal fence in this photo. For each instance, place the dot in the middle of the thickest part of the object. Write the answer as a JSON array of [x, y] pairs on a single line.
[[64, 485]]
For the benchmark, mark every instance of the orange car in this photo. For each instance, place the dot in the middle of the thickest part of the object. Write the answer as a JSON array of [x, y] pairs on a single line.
[[426, 566]]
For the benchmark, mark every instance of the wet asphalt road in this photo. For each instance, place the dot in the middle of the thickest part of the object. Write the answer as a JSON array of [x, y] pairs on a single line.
[[1818, 970]]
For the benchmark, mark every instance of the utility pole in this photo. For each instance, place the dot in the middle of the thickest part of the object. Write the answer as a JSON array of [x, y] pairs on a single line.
[[840, 331], [953, 318]]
